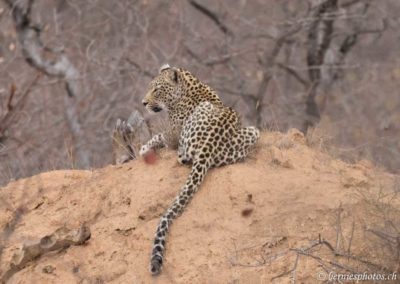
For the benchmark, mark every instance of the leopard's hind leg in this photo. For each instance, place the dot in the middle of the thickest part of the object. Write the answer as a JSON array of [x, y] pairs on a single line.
[[238, 147]]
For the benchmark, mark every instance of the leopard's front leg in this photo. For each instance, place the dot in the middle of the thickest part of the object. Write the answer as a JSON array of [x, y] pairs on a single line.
[[158, 141]]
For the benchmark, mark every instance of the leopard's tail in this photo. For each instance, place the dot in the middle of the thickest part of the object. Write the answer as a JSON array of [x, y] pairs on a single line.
[[196, 176]]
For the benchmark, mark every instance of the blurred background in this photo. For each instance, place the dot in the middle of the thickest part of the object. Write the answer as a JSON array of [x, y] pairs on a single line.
[[70, 68]]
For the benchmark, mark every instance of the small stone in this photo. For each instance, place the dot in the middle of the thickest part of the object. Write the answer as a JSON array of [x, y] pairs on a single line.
[[48, 269]]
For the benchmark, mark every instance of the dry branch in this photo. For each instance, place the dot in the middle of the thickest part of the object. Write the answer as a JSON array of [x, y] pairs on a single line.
[[211, 15], [351, 40], [318, 42], [140, 68], [10, 98], [34, 50], [12, 109], [291, 71], [60, 66], [268, 62], [336, 260]]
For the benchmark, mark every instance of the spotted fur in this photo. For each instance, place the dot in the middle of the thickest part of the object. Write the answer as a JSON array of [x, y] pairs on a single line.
[[210, 136]]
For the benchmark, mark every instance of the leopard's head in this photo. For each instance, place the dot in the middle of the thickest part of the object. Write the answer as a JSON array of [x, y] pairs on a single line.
[[164, 90]]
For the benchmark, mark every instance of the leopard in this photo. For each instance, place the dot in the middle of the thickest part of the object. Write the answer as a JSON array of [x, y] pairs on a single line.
[[210, 135]]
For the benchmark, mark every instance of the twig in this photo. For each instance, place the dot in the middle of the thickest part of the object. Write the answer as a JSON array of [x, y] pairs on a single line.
[[293, 72], [294, 270], [353, 257], [211, 15], [140, 68], [7, 119], [351, 237], [389, 238], [289, 271], [306, 253], [349, 3], [10, 98], [338, 227]]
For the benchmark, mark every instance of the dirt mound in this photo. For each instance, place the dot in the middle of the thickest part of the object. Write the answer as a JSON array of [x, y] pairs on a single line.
[[287, 212]]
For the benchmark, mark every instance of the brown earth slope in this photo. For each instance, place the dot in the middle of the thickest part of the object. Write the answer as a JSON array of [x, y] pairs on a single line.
[[248, 223]]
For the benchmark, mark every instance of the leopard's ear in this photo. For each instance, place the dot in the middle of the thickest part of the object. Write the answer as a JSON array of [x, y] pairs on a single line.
[[172, 72], [164, 67], [174, 75]]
